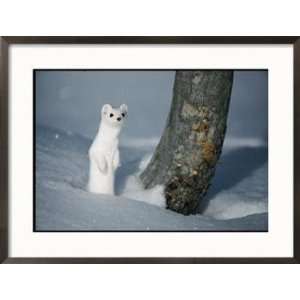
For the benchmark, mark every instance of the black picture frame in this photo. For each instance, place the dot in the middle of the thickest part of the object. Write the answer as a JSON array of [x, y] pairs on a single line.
[[6, 42]]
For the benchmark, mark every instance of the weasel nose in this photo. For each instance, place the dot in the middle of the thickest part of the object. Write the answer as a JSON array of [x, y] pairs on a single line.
[[119, 119]]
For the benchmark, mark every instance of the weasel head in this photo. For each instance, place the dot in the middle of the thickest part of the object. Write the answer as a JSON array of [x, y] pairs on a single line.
[[114, 116]]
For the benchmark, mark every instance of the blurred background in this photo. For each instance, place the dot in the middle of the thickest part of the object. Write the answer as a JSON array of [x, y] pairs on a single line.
[[72, 101]]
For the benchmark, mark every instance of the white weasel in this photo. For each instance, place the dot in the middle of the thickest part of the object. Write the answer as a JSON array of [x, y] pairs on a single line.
[[104, 153]]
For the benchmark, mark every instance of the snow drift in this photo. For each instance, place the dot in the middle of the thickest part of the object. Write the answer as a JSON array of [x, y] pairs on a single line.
[[237, 199]]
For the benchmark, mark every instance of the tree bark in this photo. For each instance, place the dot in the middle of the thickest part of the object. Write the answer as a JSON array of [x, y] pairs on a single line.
[[185, 159]]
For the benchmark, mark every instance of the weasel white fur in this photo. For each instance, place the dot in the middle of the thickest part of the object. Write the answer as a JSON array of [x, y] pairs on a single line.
[[104, 152]]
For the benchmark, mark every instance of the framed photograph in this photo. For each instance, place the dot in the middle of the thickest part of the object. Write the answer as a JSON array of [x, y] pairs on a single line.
[[150, 150]]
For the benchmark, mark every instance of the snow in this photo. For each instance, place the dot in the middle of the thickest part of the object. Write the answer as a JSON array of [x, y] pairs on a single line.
[[237, 199], [240, 187]]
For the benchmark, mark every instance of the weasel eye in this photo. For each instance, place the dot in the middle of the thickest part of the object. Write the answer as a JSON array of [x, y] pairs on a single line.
[[123, 115], [111, 115]]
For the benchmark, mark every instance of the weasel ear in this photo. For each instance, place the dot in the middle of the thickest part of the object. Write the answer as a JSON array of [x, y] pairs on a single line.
[[124, 108], [106, 108]]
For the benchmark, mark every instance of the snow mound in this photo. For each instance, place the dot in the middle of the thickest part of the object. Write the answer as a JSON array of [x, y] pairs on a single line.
[[153, 196], [240, 186], [237, 200], [241, 201]]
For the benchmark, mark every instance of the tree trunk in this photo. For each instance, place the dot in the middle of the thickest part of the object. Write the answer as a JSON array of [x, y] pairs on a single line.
[[186, 156]]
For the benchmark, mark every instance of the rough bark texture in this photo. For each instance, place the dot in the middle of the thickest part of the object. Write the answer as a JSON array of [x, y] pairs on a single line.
[[185, 159]]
